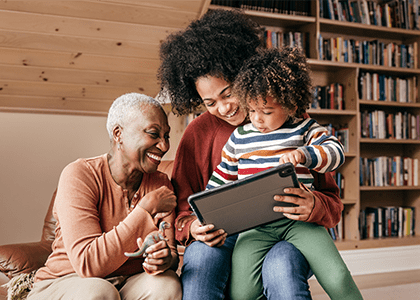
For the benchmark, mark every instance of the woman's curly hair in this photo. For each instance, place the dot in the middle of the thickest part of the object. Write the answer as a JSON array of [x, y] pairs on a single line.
[[216, 45], [280, 73]]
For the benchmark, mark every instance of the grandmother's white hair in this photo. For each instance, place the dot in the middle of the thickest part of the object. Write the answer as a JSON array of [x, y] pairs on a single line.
[[127, 107]]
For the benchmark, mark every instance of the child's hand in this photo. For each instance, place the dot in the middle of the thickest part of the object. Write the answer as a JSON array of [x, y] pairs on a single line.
[[295, 157]]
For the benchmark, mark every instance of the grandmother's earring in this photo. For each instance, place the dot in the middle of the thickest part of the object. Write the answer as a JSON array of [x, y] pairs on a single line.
[[119, 146]]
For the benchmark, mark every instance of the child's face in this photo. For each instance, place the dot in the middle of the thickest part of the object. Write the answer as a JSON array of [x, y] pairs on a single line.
[[269, 116]]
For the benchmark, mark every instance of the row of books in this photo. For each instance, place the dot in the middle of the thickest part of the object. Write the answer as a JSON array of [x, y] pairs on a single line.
[[389, 221], [389, 171], [341, 133], [366, 52], [378, 124], [381, 87], [291, 7], [396, 13], [329, 97], [337, 232], [276, 38], [339, 179]]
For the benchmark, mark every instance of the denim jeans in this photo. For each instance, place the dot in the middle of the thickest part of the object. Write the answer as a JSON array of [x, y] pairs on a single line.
[[205, 273]]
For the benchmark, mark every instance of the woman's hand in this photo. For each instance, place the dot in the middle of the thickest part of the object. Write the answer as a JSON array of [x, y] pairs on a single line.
[[182, 222], [206, 235], [161, 200], [159, 257], [304, 200]]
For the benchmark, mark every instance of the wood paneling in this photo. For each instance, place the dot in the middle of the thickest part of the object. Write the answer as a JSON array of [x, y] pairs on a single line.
[[78, 56]]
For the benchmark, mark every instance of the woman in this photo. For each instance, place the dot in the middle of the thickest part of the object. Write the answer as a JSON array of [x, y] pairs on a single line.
[[103, 204], [198, 67]]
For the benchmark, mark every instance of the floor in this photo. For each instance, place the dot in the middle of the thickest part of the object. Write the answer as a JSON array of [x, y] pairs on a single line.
[[386, 286]]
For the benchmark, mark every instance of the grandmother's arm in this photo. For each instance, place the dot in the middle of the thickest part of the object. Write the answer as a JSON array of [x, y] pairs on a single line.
[[92, 252]]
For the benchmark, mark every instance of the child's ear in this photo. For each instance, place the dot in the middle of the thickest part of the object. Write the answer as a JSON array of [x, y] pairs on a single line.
[[293, 111]]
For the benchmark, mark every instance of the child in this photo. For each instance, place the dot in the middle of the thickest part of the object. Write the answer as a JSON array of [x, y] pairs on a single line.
[[275, 88]]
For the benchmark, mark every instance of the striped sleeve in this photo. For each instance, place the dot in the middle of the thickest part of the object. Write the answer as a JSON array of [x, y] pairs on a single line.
[[227, 170], [324, 153]]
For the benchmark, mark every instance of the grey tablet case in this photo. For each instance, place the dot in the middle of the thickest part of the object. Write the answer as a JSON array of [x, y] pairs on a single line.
[[246, 203]]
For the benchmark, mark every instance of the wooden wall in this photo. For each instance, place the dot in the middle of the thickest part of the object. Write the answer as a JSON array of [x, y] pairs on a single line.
[[76, 57]]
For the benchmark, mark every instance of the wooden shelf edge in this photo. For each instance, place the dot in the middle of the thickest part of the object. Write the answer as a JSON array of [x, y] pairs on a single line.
[[316, 64], [377, 243], [389, 103], [388, 141], [389, 188], [324, 111], [269, 15]]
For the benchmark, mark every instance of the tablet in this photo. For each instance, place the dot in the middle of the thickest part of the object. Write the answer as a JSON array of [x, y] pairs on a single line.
[[246, 203]]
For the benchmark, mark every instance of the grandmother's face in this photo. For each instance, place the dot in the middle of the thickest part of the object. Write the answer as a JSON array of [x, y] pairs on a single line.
[[145, 140]]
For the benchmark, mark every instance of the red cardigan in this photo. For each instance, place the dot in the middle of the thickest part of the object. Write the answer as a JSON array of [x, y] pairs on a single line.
[[198, 154]]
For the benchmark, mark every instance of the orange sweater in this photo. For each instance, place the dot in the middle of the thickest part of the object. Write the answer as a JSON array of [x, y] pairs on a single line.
[[95, 224]]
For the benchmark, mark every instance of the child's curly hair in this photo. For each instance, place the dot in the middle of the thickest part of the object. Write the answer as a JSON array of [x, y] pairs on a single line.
[[217, 45], [282, 74]]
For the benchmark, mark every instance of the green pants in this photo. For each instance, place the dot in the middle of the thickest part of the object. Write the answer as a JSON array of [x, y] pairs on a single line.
[[312, 240]]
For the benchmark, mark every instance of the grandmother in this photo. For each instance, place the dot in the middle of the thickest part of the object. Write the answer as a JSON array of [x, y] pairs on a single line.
[[104, 204], [199, 66]]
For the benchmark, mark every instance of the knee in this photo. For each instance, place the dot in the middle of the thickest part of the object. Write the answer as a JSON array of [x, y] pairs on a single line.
[[284, 261], [96, 289], [166, 286], [199, 255]]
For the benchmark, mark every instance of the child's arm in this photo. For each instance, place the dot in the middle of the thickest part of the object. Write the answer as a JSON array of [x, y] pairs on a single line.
[[323, 152], [295, 157], [226, 171]]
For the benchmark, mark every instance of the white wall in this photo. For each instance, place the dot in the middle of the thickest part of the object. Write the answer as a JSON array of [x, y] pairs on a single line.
[[34, 148]]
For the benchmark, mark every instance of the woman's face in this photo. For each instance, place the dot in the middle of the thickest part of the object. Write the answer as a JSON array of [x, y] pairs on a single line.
[[216, 95], [145, 140]]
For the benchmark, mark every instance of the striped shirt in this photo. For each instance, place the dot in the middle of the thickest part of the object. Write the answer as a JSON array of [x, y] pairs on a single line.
[[249, 151]]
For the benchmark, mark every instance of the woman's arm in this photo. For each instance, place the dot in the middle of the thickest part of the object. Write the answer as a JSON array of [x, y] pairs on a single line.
[[322, 206]]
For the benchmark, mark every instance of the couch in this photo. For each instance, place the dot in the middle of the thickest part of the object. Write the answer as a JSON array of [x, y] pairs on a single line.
[[21, 258]]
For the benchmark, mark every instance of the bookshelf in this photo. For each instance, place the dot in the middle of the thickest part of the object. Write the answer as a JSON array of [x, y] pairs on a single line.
[[362, 51]]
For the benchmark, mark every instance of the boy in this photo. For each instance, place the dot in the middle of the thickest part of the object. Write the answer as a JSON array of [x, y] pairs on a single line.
[[275, 87]]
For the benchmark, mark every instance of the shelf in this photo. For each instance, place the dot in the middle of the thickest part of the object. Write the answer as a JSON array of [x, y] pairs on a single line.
[[388, 188], [389, 141], [350, 154], [372, 31], [326, 65], [347, 201], [335, 112], [389, 70], [273, 19], [377, 242], [389, 103]]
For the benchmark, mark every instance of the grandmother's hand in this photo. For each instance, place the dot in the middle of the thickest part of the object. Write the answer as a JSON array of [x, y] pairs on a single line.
[[159, 258], [205, 234], [304, 200], [161, 200]]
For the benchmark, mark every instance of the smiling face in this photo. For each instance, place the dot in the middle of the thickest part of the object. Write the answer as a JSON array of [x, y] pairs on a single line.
[[145, 140], [216, 95], [268, 116]]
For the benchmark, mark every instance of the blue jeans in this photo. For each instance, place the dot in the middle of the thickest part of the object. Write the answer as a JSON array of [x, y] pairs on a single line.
[[205, 273]]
